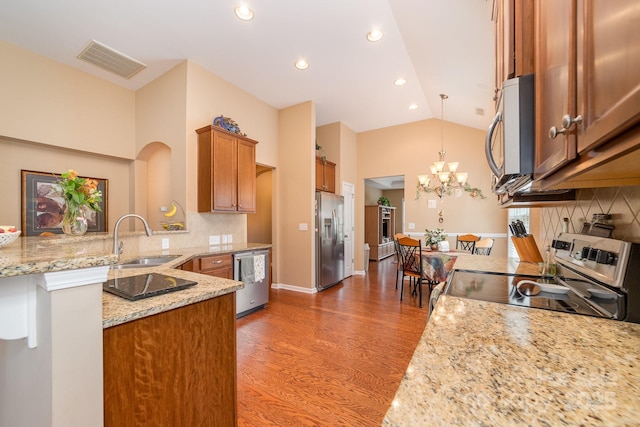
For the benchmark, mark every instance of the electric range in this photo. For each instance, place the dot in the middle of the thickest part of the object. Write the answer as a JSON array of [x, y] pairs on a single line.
[[595, 276]]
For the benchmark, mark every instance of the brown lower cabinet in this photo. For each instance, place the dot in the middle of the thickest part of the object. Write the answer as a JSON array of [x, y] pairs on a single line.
[[176, 368]]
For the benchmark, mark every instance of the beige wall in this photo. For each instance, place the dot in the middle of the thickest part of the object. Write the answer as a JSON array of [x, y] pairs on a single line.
[[50, 103], [295, 204], [409, 150]]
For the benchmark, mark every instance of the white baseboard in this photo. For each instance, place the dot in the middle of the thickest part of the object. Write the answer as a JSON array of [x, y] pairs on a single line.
[[359, 273], [294, 288]]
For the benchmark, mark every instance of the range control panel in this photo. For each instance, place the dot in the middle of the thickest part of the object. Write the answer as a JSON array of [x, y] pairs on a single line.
[[601, 258]]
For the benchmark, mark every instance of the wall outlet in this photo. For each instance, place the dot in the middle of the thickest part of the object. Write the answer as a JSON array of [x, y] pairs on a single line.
[[432, 204], [412, 226], [229, 238], [224, 239], [303, 226], [214, 240], [165, 243]]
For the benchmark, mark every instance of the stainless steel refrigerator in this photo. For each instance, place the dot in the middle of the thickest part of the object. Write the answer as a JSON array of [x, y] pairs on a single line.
[[329, 239]]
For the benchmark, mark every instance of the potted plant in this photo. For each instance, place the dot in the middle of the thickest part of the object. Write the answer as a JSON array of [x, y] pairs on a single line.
[[433, 237], [383, 201]]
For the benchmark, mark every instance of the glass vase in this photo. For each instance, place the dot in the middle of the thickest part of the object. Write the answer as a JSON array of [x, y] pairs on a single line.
[[74, 221]]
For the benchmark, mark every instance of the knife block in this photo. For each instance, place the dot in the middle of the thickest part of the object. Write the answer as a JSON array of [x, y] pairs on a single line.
[[527, 249]]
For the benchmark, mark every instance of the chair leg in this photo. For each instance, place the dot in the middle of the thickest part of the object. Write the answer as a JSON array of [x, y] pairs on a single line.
[[419, 284], [402, 287]]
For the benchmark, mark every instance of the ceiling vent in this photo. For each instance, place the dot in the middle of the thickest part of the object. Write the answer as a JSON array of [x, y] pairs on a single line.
[[111, 60]]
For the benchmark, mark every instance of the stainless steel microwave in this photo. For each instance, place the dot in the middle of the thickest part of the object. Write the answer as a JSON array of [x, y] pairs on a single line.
[[510, 141]]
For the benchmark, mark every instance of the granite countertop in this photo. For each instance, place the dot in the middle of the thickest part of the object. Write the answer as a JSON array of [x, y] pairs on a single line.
[[34, 255], [116, 310], [488, 364]]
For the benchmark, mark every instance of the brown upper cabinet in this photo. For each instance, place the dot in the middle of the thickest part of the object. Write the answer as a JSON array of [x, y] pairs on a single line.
[[325, 175], [226, 171], [587, 92], [514, 40]]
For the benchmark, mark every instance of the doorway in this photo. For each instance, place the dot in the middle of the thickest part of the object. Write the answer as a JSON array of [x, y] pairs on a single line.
[[391, 187], [260, 224], [348, 192]]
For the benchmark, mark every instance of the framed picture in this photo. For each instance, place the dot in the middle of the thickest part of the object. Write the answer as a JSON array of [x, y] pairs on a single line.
[[43, 206]]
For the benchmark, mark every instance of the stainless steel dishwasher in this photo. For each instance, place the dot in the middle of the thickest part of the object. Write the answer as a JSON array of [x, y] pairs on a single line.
[[251, 268]]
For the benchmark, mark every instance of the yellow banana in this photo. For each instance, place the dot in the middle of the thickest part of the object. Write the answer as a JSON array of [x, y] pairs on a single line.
[[171, 212]]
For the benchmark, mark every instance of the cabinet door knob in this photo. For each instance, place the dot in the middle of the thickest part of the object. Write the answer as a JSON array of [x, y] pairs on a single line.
[[567, 121], [554, 132]]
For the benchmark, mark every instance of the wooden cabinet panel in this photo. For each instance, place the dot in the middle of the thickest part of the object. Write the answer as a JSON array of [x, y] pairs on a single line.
[[215, 265], [246, 199], [176, 368], [224, 168], [330, 177], [588, 88], [325, 175], [226, 171], [609, 78], [555, 83], [513, 23]]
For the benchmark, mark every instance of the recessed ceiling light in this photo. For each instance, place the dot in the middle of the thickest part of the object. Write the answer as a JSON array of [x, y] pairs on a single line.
[[301, 64], [374, 35], [413, 107], [399, 82], [244, 13]]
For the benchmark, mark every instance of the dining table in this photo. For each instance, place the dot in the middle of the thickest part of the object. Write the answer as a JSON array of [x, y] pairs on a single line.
[[436, 265]]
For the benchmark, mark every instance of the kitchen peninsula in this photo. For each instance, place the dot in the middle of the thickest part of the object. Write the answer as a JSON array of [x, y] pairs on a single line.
[[481, 363], [51, 295]]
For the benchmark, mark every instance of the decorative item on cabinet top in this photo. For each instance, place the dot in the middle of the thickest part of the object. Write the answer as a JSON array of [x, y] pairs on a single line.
[[229, 124]]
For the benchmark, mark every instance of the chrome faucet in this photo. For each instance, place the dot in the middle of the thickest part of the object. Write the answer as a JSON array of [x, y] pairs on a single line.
[[117, 248]]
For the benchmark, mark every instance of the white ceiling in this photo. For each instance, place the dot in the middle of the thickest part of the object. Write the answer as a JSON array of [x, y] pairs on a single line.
[[439, 46]]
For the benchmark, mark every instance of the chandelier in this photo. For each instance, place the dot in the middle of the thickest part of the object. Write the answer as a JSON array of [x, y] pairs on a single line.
[[445, 178]]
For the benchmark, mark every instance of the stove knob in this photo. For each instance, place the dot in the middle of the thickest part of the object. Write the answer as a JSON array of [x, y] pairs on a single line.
[[559, 244], [586, 252], [605, 257]]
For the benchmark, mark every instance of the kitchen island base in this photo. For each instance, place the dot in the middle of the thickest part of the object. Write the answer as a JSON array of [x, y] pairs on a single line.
[[175, 368]]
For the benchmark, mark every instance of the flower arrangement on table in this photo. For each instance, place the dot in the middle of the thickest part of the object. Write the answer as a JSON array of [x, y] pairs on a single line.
[[78, 194], [435, 236]]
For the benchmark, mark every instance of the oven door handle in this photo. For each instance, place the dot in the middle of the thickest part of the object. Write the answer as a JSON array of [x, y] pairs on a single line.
[[497, 171]]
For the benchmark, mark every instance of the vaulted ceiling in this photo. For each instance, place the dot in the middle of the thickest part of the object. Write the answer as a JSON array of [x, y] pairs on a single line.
[[438, 46]]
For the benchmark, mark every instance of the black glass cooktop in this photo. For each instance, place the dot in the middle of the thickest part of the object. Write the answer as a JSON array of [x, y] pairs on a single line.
[[503, 288], [145, 285]]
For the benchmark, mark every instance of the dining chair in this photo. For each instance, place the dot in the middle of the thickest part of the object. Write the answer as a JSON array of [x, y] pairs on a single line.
[[411, 252], [467, 242], [398, 257], [483, 246]]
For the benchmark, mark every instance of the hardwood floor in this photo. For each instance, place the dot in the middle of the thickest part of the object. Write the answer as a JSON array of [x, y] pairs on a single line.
[[334, 358]]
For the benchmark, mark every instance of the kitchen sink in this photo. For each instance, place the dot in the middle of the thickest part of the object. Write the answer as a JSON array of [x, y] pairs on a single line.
[[143, 262]]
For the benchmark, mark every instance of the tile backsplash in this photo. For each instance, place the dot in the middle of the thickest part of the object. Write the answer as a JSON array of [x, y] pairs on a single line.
[[622, 203]]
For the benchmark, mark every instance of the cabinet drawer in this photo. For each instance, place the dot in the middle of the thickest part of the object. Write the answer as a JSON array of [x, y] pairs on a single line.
[[214, 262]]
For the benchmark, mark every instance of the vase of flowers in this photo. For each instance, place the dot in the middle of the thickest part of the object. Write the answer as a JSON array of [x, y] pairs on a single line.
[[433, 237], [79, 194]]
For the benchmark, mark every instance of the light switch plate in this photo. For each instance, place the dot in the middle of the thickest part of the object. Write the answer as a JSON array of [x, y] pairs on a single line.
[[432, 204], [214, 240], [229, 238], [303, 226], [224, 239]]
